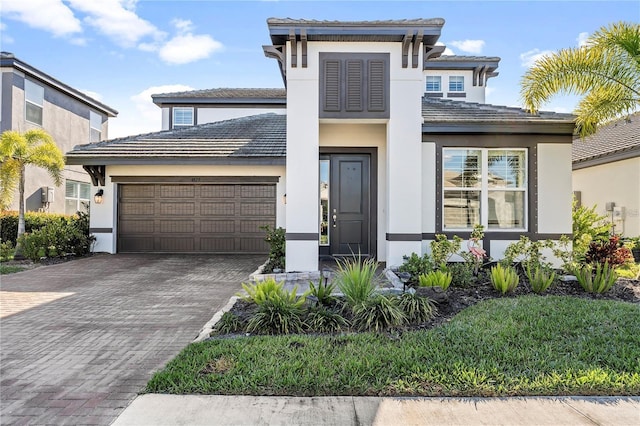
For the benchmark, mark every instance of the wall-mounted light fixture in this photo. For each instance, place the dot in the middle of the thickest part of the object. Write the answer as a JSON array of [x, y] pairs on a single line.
[[98, 197], [284, 199]]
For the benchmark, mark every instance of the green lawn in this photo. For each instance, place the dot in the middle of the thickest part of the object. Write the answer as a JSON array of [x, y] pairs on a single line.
[[530, 345], [7, 269]]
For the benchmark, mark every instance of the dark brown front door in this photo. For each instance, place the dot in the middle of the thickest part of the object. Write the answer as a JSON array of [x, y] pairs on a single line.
[[350, 205]]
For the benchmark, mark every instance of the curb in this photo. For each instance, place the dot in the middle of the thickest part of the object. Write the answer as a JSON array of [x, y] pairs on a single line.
[[208, 327]]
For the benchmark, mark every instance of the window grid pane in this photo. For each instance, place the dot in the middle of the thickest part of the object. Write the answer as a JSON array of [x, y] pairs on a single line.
[[456, 84], [496, 198], [183, 116], [433, 84]]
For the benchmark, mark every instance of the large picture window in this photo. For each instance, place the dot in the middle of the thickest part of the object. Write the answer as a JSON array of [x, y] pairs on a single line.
[[34, 102], [484, 186]]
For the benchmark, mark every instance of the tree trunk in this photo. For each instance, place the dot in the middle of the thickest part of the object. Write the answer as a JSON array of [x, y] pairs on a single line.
[[21, 226]]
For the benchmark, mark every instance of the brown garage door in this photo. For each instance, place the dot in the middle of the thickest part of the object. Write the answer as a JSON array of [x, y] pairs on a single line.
[[195, 218]]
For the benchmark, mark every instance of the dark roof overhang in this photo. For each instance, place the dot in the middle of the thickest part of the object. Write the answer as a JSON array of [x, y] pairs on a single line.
[[171, 160], [10, 61], [168, 100], [499, 127]]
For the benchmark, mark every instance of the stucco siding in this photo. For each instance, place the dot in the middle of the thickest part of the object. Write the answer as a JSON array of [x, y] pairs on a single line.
[[554, 188], [473, 93], [209, 115], [617, 182], [429, 202]]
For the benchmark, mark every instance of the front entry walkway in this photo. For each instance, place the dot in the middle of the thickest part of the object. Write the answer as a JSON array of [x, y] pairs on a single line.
[[79, 340]]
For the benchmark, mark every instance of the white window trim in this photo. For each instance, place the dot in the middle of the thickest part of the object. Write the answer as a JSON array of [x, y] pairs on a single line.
[[484, 190], [27, 101], [78, 200], [173, 116], [456, 77]]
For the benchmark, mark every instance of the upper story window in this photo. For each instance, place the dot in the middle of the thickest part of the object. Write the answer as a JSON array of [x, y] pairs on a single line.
[[34, 102], [77, 196], [182, 116], [456, 83], [484, 186], [95, 127], [434, 83]]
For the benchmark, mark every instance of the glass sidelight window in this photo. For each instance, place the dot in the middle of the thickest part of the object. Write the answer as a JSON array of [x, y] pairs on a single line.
[[485, 186], [324, 202]]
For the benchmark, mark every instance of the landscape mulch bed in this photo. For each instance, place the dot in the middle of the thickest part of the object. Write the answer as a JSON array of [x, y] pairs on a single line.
[[455, 299]]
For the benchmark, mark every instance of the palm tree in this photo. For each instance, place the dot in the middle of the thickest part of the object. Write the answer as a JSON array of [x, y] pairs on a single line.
[[34, 147], [606, 70]]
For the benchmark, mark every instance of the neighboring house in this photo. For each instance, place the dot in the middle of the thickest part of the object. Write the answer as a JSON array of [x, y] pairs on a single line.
[[195, 107], [362, 162], [606, 173], [31, 99]]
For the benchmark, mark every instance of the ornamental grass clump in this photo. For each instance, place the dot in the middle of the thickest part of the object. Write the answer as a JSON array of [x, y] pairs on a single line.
[[324, 320], [323, 292], [437, 278], [378, 313], [505, 279], [416, 308], [540, 277], [356, 278], [598, 280]]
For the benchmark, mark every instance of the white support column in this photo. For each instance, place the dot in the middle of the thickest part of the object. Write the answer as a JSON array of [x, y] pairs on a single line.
[[302, 214]]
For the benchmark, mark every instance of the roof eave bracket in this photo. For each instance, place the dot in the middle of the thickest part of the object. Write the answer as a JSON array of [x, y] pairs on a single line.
[[97, 174]]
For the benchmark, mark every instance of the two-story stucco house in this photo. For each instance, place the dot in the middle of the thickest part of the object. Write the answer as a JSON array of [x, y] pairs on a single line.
[[369, 158], [31, 99]]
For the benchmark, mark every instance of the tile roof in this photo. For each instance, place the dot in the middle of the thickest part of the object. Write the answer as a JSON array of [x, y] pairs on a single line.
[[228, 93], [616, 137], [256, 136], [463, 58], [400, 22], [435, 110]]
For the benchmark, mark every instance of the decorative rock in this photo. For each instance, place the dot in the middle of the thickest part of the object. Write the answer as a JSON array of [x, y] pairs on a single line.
[[437, 294], [568, 278]]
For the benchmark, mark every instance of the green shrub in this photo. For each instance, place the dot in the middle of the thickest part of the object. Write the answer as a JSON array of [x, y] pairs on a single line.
[[277, 316], [416, 308], [263, 292], [437, 278], [442, 249], [6, 251], [323, 320], [323, 292], [416, 265], [32, 221], [57, 238], [505, 279], [462, 273], [276, 237], [587, 226], [229, 323], [598, 280], [356, 278], [540, 277], [526, 252], [378, 313]]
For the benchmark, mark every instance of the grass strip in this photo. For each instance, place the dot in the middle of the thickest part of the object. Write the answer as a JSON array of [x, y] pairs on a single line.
[[531, 345]]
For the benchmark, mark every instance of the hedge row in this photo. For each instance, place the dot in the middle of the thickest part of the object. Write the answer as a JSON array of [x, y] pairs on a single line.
[[32, 221]]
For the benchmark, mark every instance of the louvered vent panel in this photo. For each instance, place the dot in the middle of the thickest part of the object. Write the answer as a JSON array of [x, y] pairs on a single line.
[[354, 86], [376, 98], [332, 85]]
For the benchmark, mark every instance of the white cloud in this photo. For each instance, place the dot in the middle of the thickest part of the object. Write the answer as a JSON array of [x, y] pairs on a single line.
[[117, 20], [527, 59], [141, 115], [186, 47], [40, 14], [95, 95], [469, 46], [448, 52], [582, 39]]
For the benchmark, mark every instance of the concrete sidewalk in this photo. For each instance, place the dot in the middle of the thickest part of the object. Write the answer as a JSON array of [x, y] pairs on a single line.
[[345, 410]]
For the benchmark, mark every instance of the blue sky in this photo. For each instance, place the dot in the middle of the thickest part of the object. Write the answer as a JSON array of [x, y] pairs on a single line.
[[122, 51]]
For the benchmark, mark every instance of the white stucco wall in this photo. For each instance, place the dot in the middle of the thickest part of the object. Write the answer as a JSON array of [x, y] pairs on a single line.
[[165, 118], [617, 182], [209, 115], [104, 216], [473, 93], [554, 188], [429, 201]]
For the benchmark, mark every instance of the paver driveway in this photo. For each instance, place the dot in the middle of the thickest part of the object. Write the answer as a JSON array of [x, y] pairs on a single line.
[[80, 339]]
